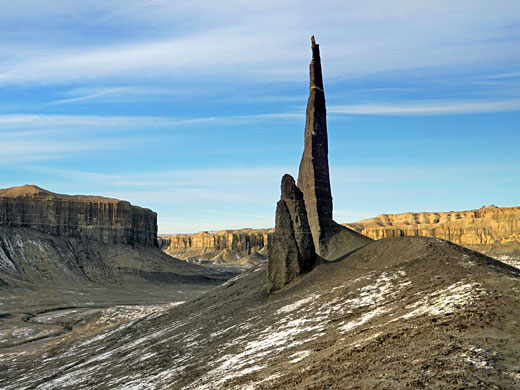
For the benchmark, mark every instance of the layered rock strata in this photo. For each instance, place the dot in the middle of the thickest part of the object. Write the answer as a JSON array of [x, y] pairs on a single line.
[[330, 239], [242, 247], [292, 252], [491, 230], [60, 240], [92, 217]]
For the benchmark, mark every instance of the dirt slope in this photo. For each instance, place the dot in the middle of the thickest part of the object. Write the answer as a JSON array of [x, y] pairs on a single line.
[[398, 313]]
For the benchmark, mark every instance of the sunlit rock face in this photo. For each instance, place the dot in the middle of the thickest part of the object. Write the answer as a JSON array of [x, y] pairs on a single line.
[[292, 252], [229, 245], [492, 230], [96, 218]]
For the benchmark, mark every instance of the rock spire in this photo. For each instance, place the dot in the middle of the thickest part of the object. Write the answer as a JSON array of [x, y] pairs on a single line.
[[313, 177], [292, 252], [304, 225]]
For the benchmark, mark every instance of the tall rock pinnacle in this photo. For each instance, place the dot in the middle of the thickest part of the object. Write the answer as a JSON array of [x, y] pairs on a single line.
[[292, 251], [313, 177]]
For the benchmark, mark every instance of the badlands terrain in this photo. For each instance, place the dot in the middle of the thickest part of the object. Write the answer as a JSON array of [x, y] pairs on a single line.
[[89, 301], [65, 259], [398, 313], [492, 230]]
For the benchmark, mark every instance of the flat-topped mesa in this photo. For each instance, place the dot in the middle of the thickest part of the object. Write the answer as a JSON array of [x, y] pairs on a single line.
[[292, 252], [313, 176], [92, 217]]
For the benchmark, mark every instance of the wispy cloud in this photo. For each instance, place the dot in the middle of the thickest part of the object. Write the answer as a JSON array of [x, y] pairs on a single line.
[[266, 40], [108, 94], [45, 121], [420, 108]]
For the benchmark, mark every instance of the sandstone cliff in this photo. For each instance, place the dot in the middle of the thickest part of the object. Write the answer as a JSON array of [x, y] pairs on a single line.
[[93, 217], [61, 240], [491, 230], [224, 247]]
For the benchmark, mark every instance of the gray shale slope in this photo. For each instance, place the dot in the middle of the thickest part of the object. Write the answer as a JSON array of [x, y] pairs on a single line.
[[397, 313]]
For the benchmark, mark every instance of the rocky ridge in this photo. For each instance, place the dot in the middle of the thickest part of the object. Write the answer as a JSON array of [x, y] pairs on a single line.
[[491, 230], [245, 247]]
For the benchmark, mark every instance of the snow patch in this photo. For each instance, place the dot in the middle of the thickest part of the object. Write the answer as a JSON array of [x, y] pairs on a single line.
[[297, 304]]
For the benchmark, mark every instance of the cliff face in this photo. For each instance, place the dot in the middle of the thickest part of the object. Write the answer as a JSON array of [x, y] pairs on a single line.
[[60, 240], [492, 230], [225, 246], [93, 217]]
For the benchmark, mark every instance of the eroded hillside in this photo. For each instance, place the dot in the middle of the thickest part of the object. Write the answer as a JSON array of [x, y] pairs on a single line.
[[491, 230], [397, 313]]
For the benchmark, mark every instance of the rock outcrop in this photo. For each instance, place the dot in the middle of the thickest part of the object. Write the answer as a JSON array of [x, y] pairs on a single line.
[[330, 238], [61, 240], [292, 253], [93, 217], [244, 247], [491, 230]]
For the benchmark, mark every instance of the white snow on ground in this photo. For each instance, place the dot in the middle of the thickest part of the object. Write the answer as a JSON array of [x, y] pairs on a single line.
[[363, 319], [5, 263], [297, 356], [251, 348], [299, 323], [117, 314], [511, 260], [478, 357], [297, 304], [23, 332], [444, 301]]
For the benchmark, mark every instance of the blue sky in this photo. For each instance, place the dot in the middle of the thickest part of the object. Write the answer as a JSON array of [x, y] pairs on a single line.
[[196, 109]]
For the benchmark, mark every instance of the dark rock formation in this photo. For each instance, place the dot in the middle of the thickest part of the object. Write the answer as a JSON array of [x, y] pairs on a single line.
[[292, 252], [330, 239], [92, 217]]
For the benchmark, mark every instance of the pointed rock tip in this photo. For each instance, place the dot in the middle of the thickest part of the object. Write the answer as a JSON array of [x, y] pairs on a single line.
[[288, 187]]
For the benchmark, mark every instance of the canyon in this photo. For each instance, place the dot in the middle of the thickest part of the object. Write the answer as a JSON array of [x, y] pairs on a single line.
[[492, 230], [243, 248]]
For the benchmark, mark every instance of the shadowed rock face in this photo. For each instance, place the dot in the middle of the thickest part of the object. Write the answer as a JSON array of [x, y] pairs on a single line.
[[107, 220], [330, 239], [313, 177], [292, 253]]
